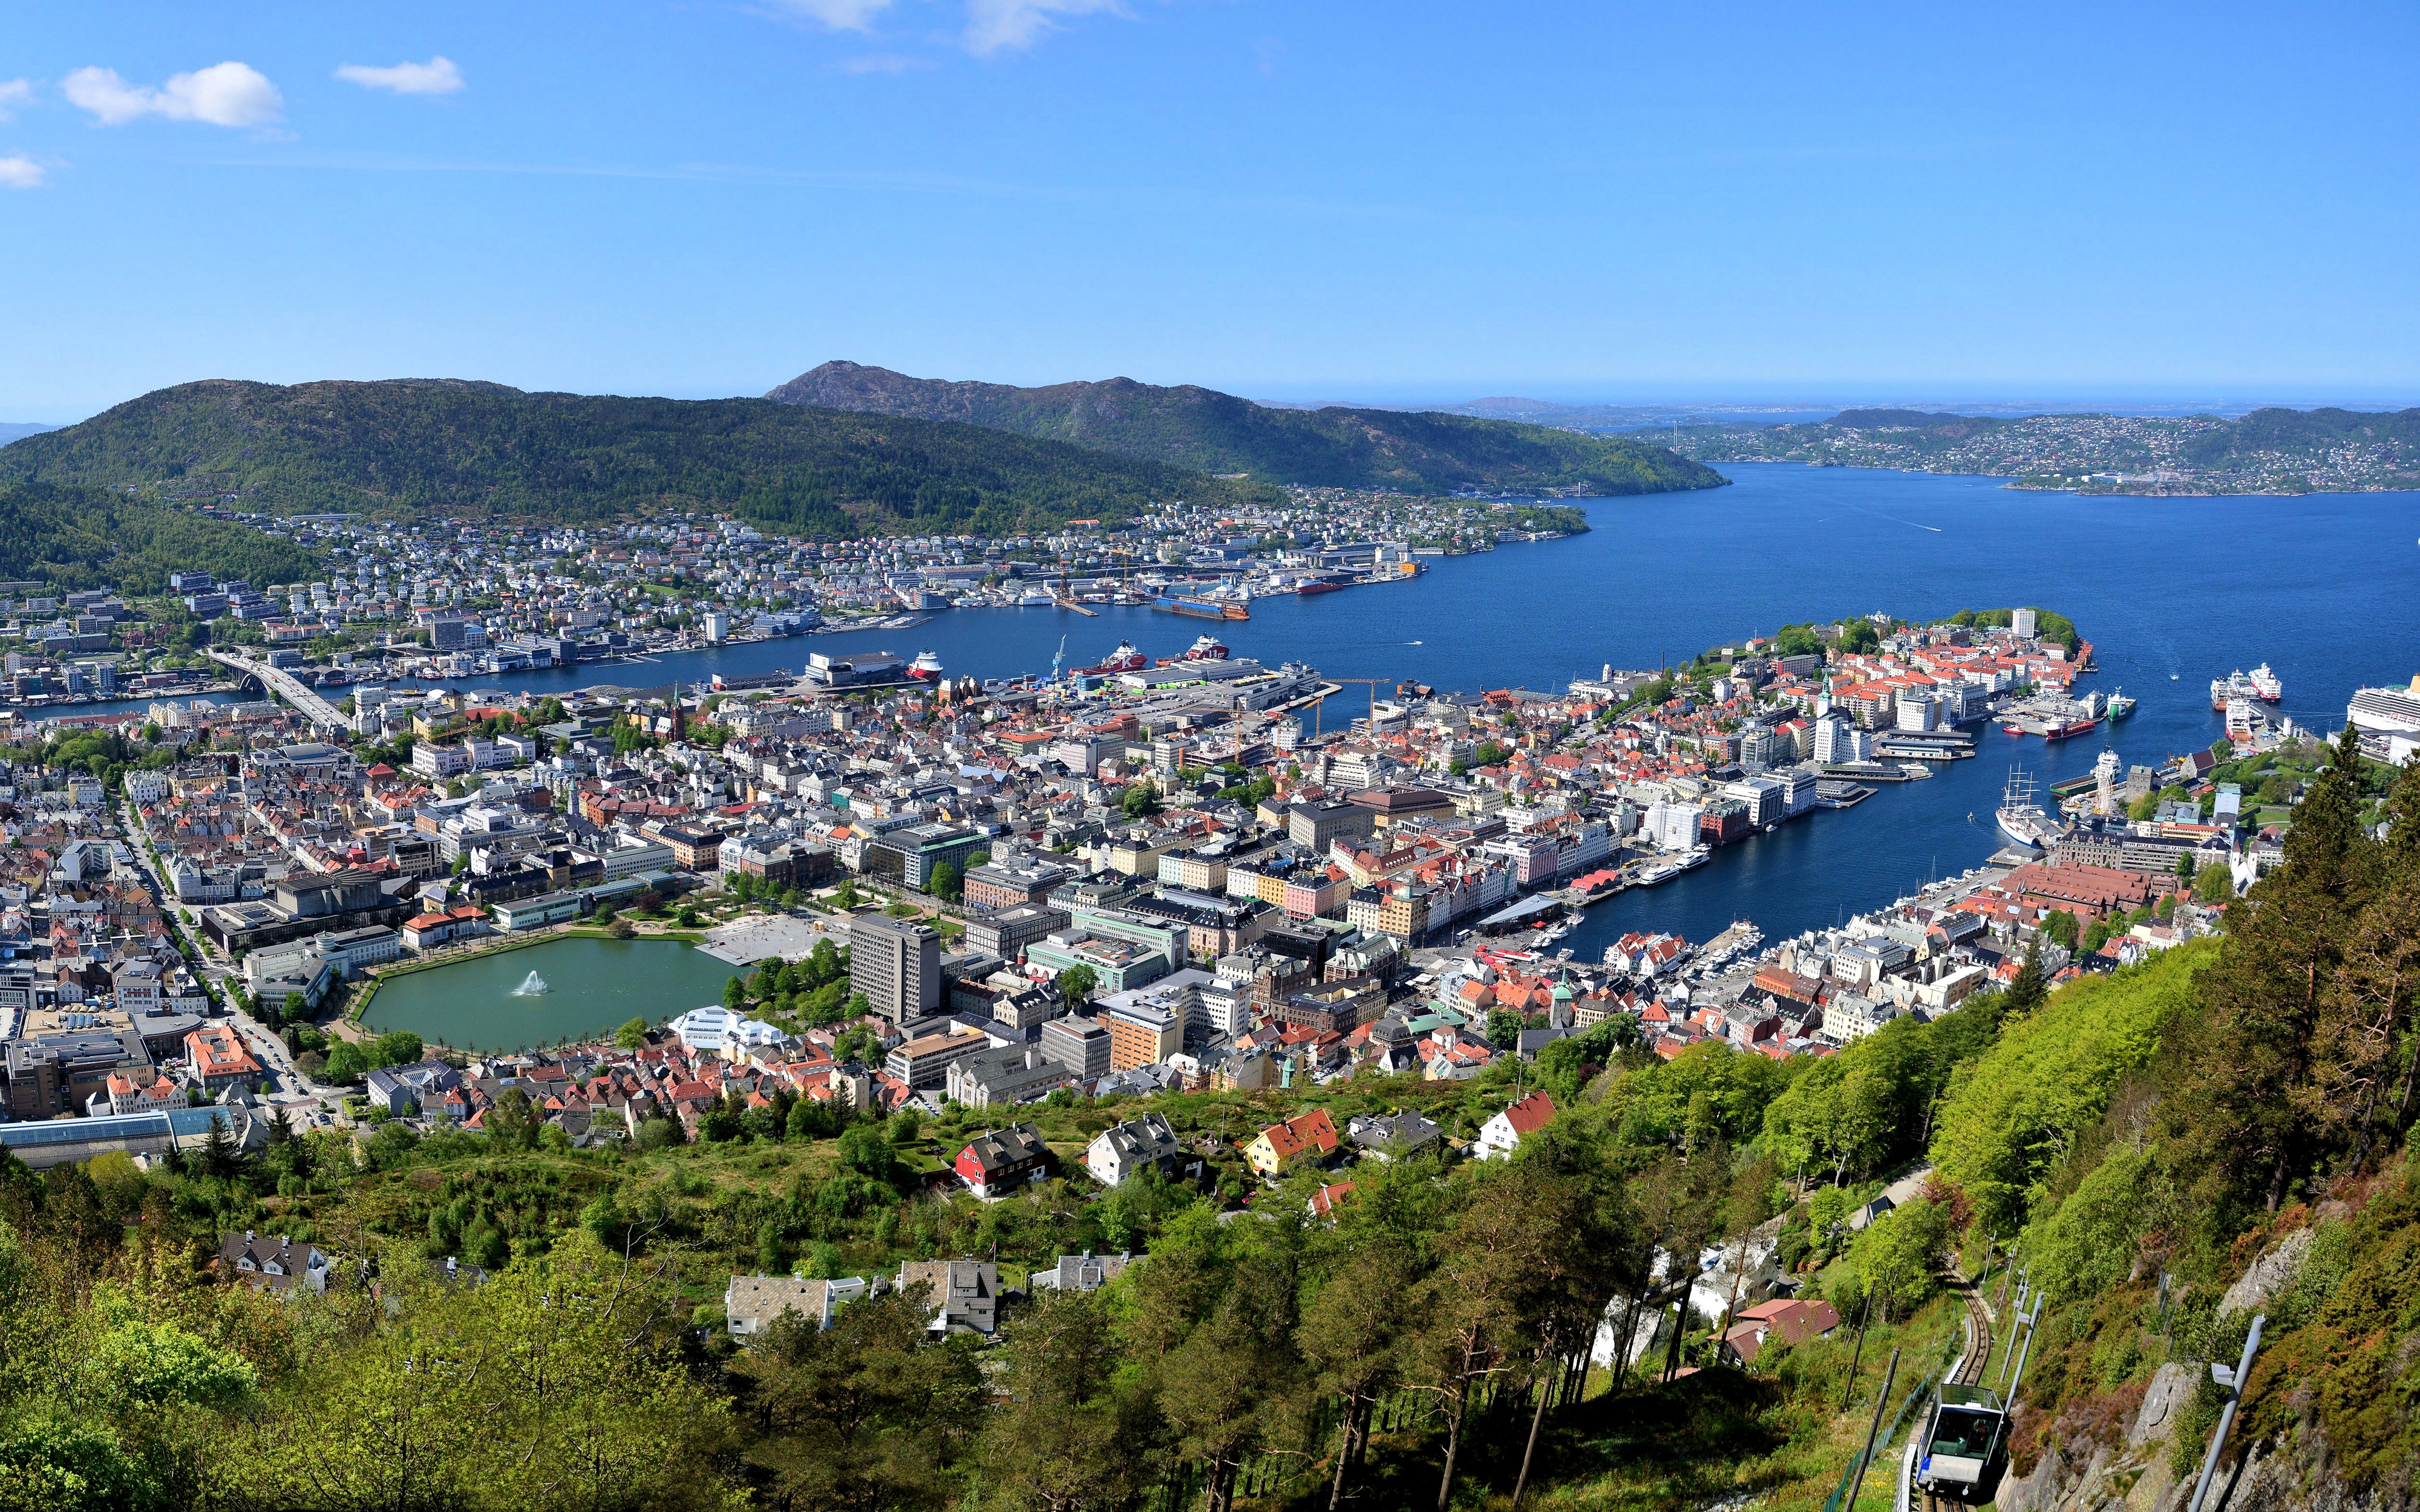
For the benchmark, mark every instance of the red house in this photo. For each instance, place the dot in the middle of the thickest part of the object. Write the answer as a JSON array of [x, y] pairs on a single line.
[[997, 1161]]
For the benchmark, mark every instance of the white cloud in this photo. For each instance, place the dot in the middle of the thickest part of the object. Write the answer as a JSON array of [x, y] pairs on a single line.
[[438, 76], [21, 172], [224, 94], [13, 93], [840, 15], [996, 24]]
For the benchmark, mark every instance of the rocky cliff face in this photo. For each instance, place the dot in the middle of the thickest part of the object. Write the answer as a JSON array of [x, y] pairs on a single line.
[[2139, 1449]]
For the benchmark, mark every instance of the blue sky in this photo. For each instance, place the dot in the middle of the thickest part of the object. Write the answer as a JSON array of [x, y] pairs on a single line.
[[1292, 200]]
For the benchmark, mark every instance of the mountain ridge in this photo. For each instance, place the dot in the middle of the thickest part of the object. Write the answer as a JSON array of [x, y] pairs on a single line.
[[470, 446], [1189, 425]]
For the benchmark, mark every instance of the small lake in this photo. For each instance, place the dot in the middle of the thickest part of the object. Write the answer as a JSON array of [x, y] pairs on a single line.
[[592, 986]]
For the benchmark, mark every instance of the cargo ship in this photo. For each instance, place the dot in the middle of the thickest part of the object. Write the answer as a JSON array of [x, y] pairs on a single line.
[[2119, 705]]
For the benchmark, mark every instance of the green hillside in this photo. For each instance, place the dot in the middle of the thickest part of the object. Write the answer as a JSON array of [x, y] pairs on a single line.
[[81, 537], [1218, 433], [457, 447], [2301, 432]]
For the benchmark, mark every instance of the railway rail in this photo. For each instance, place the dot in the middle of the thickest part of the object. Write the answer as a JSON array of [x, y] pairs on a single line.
[[1948, 1463]]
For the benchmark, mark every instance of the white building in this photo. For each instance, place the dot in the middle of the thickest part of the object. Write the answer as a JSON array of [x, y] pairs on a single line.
[[1502, 1134], [1673, 827], [1121, 1150], [718, 1030]]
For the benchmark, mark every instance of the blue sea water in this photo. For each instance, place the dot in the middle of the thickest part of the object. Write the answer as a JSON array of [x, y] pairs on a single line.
[[2171, 592]]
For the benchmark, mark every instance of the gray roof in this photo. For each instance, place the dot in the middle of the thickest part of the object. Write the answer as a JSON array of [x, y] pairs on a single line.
[[1081, 1272]]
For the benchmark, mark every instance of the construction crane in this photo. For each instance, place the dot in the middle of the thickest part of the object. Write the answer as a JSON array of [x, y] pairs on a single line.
[[1057, 656], [1320, 703]]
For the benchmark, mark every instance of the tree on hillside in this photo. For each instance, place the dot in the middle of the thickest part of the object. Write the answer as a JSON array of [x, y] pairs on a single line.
[[2252, 1113]]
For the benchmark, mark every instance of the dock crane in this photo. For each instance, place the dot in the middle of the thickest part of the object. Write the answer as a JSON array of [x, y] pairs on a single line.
[[1319, 704]]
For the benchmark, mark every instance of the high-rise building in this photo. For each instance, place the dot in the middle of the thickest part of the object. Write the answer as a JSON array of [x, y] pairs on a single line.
[[1142, 1035], [1081, 1044], [898, 964]]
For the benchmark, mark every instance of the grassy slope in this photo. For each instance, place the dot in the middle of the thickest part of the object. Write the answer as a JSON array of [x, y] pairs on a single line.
[[458, 447]]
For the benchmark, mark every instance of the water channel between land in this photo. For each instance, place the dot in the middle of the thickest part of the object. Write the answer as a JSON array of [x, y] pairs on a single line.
[[2172, 592]]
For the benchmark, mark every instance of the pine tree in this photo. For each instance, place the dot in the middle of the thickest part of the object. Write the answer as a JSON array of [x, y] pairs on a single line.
[[2253, 1114], [2026, 991], [218, 1149]]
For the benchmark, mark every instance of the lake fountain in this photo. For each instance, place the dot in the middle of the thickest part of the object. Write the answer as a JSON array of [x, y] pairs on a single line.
[[580, 986]]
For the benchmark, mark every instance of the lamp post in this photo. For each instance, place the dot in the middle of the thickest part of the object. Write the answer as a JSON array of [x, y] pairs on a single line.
[[2233, 1381]]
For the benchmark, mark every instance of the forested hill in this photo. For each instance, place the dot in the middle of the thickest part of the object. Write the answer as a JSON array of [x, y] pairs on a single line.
[[79, 537], [1219, 433], [459, 447]]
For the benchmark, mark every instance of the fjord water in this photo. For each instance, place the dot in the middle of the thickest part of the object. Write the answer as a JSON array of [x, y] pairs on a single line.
[[591, 986], [2171, 592]]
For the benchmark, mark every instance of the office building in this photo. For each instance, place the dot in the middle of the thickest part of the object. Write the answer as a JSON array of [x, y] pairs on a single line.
[[898, 964]]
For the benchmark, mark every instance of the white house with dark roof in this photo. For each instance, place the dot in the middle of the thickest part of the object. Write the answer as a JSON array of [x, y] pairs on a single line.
[[1087, 1272], [273, 1262], [1122, 1150]]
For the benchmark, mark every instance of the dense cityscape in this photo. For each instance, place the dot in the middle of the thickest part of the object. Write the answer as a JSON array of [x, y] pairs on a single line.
[[1055, 756], [2143, 455]]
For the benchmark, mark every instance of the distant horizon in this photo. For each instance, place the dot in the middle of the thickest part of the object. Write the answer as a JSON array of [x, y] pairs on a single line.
[[1980, 398]]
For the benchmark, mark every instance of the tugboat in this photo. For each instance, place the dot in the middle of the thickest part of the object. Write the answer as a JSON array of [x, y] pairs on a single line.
[[927, 665], [1124, 659]]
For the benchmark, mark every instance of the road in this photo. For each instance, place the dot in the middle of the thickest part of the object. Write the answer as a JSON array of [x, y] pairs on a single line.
[[289, 688], [286, 1080]]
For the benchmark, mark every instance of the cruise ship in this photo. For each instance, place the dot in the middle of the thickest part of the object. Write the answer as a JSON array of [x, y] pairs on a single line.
[[2383, 714], [2266, 686]]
